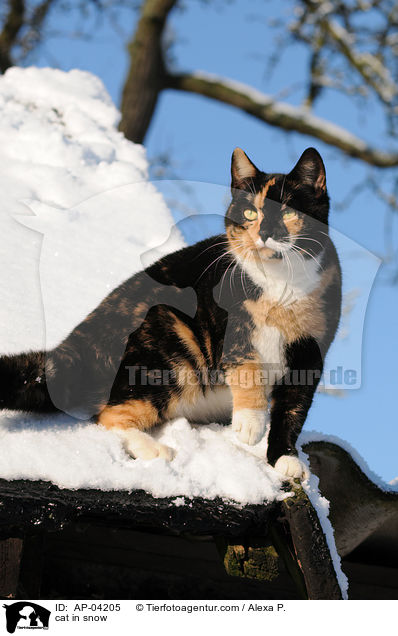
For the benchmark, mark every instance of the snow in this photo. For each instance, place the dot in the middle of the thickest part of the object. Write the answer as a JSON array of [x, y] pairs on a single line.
[[209, 463], [62, 155]]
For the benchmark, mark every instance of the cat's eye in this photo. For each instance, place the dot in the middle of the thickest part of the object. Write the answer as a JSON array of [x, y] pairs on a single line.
[[289, 215], [250, 215]]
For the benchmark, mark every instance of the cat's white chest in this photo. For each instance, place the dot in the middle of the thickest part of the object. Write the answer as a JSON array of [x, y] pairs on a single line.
[[285, 281], [214, 406], [270, 345]]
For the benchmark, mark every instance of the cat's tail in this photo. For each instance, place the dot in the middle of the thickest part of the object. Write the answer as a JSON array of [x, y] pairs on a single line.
[[72, 378], [23, 384]]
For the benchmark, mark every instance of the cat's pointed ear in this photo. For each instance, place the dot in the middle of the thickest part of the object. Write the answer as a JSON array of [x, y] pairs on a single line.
[[310, 170], [242, 170]]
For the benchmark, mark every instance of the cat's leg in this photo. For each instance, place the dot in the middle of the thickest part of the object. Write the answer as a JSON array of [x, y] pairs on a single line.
[[290, 402], [249, 401], [130, 420]]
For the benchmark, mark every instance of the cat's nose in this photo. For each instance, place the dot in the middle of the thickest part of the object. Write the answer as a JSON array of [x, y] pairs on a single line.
[[264, 235]]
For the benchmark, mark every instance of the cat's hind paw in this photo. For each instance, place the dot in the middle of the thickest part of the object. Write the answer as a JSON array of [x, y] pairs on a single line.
[[292, 467], [249, 424]]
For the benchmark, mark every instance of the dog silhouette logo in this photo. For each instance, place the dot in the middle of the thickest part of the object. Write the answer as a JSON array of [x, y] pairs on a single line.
[[26, 615]]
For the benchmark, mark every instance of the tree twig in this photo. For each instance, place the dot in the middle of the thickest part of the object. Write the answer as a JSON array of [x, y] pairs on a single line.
[[34, 25]]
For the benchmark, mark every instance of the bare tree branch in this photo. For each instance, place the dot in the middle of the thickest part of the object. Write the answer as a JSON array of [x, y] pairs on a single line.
[[34, 33], [22, 30], [279, 114], [361, 53], [145, 78], [13, 23], [369, 66]]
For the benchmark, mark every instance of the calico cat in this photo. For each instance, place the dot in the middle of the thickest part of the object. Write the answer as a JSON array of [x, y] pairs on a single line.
[[233, 328]]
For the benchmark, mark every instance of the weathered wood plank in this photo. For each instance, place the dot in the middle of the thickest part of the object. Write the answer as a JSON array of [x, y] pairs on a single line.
[[32, 564], [27, 507], [312, 551], [10, 560]]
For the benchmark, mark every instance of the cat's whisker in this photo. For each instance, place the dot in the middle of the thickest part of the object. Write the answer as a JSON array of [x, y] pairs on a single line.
[[244, 275], [307, 238], [231, 278], [226, 253], [208, 267], [300, 251], [285, 256], [241, 264], [223, 278], [224, 242], [302, 259], [211, 247], [310, 255], [282, 299], [243, 281], [251, 187], [261, 266]]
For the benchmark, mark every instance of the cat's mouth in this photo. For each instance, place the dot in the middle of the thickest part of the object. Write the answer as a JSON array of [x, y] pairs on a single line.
[[258, 249], [270, 248]]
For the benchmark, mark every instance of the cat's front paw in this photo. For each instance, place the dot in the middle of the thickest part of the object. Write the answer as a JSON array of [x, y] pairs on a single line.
[[249, 424], [140, 445], [152, 451], [292, 467]]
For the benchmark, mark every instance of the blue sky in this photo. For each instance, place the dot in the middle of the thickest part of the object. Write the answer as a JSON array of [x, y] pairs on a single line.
[[233, 39]]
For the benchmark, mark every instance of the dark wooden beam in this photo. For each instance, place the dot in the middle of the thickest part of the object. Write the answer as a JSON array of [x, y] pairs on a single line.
[[32, 565], [311, 548], [10, 561]]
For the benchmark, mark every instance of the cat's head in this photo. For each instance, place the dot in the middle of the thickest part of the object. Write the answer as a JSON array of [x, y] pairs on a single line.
[[271, 215]]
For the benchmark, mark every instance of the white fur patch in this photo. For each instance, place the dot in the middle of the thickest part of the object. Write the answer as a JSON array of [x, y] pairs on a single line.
[[249, 424], [141, 445], [292, 467], [214, 406], [269, 344], [284, 281], [277, 246]]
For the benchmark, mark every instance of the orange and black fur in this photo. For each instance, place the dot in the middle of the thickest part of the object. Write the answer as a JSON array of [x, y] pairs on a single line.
[[234, 328]]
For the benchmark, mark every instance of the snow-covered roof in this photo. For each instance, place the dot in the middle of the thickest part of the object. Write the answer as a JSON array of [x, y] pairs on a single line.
[[95, 215]]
